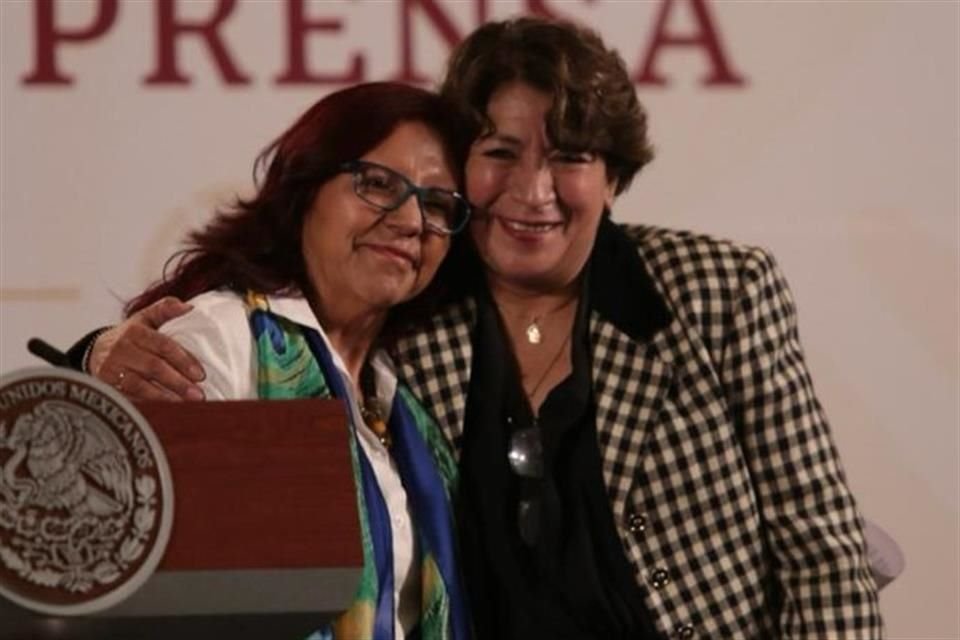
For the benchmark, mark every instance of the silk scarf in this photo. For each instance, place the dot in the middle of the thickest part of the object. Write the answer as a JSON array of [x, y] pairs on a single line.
[[293, 361]]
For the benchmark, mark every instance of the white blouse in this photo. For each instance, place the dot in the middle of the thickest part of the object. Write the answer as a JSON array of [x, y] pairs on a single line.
[[217, 332]]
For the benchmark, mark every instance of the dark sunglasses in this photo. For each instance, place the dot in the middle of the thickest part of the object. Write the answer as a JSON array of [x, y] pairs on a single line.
[[526, 461], [443, 211]]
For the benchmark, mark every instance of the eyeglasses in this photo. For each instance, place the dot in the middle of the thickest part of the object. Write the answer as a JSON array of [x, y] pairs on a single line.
[[526, 460], [444, 212]]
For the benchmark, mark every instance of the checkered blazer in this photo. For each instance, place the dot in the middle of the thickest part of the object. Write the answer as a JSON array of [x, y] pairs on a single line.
[[727, 489]]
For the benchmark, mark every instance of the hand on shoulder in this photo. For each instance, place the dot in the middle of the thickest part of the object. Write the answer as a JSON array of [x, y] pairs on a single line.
[[144, 364]]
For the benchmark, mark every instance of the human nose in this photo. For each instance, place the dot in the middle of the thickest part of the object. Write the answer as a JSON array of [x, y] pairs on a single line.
[[407, 219], [532, 184]]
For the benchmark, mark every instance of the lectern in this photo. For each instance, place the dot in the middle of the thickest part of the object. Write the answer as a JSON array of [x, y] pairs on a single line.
[[264, 539]]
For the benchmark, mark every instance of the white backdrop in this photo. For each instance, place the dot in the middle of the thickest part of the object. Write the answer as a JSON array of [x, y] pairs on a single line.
[[841, 153]]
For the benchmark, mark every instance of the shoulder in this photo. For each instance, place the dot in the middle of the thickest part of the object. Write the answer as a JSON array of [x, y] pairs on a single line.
[[220, 310], [687, 266], [706, 281], [447, 326], [214, 302], [217, 333], [675, 255]]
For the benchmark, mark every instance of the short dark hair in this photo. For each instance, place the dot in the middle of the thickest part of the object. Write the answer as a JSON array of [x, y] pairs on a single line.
[[256, 243], [595, 104]]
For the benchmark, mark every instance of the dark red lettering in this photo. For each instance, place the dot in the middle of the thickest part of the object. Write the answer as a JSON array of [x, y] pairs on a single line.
[[705, 37], [169, 28], [444, 26], [45, 69], [298, 25]]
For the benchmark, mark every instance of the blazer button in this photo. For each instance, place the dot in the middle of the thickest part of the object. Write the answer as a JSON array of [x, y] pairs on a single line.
[[684, 631], [659, 579], [637, 523]]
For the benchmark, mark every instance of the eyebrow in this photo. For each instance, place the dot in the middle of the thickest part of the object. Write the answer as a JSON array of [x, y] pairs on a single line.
[[505, 138]]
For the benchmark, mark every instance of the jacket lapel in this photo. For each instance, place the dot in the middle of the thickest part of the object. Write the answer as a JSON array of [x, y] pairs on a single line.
[[630, 379]]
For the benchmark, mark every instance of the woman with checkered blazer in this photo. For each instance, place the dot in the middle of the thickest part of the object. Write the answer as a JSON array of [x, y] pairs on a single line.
[[641, 451]]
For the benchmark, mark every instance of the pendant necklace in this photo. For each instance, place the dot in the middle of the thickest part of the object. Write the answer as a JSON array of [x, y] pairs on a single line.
[[372, 417], [370, 408], [546, 372], [533, 330]]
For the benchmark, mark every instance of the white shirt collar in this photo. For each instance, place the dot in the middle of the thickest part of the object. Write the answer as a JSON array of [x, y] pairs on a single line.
[[294, 307]]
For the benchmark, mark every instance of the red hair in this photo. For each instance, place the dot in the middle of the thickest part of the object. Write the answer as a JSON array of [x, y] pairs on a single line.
[[255, 244]]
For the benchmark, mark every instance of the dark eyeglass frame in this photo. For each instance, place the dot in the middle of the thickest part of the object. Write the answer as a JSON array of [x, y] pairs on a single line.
[[355, 167]]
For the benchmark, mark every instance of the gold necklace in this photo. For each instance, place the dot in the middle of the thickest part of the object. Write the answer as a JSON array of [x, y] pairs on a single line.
[[546, 372], [534, 332], [370, 408], [370, 412]]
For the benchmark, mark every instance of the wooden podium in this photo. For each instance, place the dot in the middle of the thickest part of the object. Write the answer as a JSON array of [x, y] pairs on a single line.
[[265, 540]]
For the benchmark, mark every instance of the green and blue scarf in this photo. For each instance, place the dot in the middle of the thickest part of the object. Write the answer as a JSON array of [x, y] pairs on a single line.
[[293, 361]]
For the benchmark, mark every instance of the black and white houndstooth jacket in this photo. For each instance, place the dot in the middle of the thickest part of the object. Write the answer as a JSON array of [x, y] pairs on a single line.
[[730, 498]]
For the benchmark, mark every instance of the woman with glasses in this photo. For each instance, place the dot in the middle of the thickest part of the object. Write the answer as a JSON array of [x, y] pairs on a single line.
[[641, 451], [295, 293]]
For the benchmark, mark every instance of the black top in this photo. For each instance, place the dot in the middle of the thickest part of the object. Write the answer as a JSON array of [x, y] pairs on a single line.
[[572, 578]]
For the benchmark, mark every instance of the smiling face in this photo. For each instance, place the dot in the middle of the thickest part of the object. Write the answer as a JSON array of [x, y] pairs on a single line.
[[540, 206], [362, 260]]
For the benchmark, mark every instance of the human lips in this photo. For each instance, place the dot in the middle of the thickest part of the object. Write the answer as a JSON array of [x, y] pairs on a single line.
[[527, 226], [394, 252]]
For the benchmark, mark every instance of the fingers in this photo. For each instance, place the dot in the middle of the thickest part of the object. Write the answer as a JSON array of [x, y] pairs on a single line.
[[161, 311], [161, 357], [149, 355], [144, 363], [137, 361], [182, 361], [136, 387]]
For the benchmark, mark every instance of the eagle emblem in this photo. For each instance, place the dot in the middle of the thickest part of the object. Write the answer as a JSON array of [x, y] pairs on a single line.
[[72, 461], [81, 494]]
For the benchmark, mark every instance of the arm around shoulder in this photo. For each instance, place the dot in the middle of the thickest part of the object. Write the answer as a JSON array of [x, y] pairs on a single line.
[[217, 334]]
